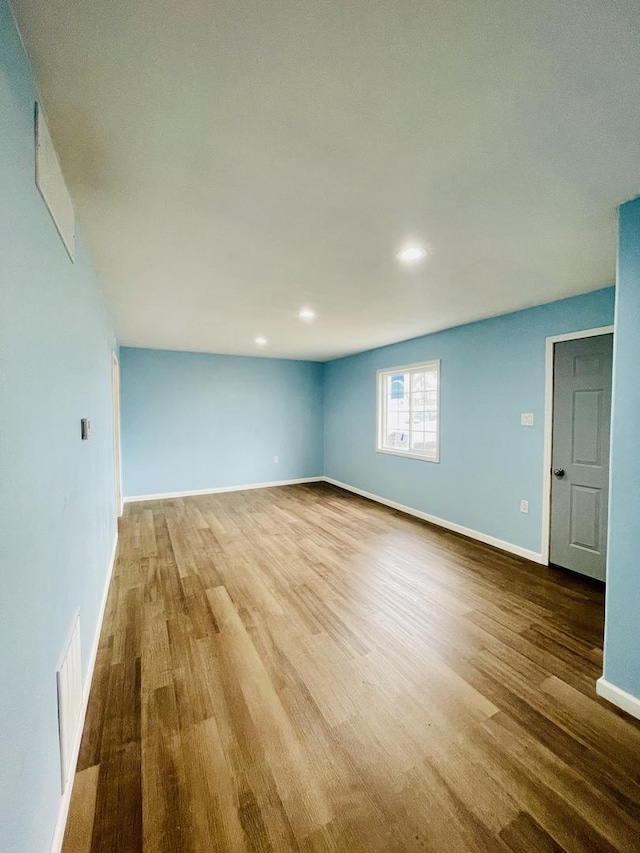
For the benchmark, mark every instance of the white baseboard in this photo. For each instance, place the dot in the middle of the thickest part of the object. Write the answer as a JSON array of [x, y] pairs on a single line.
[[534, 556], [220, 489], [617, 696], [63, 811]]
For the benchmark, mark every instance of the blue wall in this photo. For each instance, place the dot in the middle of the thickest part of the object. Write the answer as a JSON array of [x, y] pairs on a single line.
[[195, 421], [57, 518], [490, 372], [622, 633]]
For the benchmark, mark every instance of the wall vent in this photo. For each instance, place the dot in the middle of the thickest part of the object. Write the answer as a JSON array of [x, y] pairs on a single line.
[[69, 681], [50, 182]]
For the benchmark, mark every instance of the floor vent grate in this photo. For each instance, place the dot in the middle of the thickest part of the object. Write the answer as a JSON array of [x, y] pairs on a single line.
[[69, 681]]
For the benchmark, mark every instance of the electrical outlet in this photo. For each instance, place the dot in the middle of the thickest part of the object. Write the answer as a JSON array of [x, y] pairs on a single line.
[[526, 419], [524, 506], [276, 458]]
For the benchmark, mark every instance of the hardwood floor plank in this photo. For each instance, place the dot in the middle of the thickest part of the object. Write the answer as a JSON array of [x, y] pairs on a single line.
[[304, 802], [525, 835], [300, 669], [166, 823], [79, 829], [117, 826]]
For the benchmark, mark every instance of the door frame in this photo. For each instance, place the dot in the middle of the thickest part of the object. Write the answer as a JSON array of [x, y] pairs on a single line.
[[117, 456], [548, 427]]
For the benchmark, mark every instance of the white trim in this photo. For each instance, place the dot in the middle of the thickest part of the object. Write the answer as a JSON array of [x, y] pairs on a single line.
[[619, 697], [408, 455], [117, 432], [584, 333], [380, 413], [545, 541], [441, 522], [220, 489], [63, 810]]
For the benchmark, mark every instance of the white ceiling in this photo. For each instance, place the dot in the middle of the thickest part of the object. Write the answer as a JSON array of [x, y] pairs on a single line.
[[232, 161]]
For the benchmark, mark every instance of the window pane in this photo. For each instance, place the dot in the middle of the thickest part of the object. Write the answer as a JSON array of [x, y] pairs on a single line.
[[397, 420], [418, 382], [397, 439], [431, 380], [417, 440], [397, 386]]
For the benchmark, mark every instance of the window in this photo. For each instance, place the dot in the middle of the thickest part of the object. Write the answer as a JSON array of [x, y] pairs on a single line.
[[408, 411]]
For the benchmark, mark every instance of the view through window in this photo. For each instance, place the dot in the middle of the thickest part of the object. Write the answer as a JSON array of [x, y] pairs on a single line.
[[408, 414]]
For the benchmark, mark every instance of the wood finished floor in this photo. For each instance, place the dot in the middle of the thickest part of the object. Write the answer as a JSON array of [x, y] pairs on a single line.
[[300, 669]]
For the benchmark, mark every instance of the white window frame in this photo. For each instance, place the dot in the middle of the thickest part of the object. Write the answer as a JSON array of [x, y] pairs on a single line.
[[381, 409]]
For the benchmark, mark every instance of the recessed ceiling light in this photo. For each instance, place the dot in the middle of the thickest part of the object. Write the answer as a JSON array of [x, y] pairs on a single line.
[[411, 253], [307, 314], [261, 341]]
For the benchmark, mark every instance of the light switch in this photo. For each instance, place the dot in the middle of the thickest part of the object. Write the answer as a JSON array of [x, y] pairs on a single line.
[[85, 429], [526, 419], [524, 506]]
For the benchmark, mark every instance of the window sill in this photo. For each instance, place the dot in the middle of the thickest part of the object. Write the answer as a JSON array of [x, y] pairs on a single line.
[[408, 455]]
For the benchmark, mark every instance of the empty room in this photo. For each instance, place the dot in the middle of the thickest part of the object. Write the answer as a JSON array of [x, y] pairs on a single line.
[[319, 426]]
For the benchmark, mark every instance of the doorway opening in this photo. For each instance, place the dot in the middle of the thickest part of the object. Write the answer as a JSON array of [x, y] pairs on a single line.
[[115, 392]]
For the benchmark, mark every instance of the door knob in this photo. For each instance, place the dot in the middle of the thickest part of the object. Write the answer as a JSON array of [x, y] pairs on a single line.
[[558, 472]]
